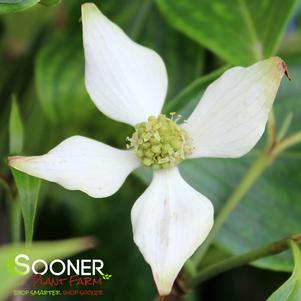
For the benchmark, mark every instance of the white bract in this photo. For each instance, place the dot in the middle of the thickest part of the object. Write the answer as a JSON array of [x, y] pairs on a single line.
[[128, 83]]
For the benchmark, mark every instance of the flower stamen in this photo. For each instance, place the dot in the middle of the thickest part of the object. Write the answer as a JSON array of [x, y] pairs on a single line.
[[160, 142]]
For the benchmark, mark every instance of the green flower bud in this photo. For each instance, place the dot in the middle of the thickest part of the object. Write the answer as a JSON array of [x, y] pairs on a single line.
[[156, 149], [147, 161]]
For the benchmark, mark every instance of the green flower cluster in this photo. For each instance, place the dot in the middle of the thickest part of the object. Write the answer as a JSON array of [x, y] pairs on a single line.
[[159, 142]]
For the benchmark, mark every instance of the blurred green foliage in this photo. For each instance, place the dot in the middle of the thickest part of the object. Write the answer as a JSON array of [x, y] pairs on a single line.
[[42, 63]]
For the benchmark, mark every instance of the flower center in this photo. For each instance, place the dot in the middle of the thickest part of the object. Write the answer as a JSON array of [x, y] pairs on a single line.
[[159, 142]]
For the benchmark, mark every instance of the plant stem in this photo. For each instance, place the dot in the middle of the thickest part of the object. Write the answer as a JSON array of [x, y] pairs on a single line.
[[4, 183], [13, 207], [262, 162], [236, 261], [271, 129], [291, 140], [285, 126]]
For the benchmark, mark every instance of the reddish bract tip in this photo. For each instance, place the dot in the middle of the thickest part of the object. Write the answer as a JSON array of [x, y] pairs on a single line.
[[12, 159], [284, 68]]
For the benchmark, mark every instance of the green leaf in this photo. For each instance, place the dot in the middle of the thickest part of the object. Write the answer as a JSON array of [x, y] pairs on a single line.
[[15, 129], [239, 31], [13, 6], [28, 195], [49, 2], [59, 75], [47, 251], [291, 289]]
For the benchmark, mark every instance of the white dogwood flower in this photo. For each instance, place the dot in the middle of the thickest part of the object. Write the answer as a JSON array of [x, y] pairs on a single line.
[[128, 83]]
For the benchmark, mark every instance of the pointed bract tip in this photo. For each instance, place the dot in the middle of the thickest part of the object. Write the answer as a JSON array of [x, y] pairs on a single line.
[[89, 7], [18, 162], [164, 288], [286, 71], [89, 12], [283, 67], [12, 160]]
